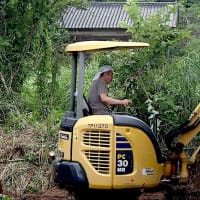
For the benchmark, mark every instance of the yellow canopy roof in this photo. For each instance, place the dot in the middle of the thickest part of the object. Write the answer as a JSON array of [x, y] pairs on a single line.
[[103, 45]]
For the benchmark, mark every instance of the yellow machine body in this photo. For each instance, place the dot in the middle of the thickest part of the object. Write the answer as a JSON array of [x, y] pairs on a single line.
[[113, 156]]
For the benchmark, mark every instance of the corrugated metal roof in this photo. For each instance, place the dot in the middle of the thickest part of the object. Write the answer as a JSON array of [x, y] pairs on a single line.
[[108, 15]]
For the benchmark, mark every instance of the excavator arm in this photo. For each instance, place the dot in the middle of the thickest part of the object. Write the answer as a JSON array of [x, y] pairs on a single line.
[[186, 131], [193, 127], [183, 134]]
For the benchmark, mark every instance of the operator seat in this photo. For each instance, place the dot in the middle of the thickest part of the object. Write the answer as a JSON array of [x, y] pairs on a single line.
[[87, 110]]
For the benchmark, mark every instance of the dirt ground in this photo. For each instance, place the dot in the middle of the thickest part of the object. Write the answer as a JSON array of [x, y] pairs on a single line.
[[57, 194], [190, 192], [50, 194]]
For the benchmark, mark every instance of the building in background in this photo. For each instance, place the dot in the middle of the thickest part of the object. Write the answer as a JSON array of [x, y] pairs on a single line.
[[101, 20]]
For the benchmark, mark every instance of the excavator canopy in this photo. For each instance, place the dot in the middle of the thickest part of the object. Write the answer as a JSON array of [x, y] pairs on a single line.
[[79, 52], [103, 45]]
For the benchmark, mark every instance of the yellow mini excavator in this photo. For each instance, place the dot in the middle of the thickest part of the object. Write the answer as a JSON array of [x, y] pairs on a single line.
[[117, 151]]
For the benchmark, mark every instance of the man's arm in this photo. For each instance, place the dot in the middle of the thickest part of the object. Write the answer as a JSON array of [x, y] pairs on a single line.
[[111, 101]]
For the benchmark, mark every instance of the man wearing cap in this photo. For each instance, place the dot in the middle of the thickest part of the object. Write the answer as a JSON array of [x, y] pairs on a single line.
[[99, 100]]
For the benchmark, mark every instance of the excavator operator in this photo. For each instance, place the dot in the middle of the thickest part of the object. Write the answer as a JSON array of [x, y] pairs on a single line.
[[98, 100]]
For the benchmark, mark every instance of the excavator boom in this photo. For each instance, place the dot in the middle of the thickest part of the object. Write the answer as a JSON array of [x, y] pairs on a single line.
[[193, 127]]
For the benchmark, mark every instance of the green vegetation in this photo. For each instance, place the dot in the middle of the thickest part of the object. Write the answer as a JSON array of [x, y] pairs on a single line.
[[5, 197], [165, 79]]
